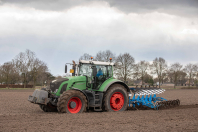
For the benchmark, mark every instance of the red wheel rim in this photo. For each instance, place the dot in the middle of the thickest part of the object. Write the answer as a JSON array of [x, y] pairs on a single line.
[[78, 106], [117, 101]]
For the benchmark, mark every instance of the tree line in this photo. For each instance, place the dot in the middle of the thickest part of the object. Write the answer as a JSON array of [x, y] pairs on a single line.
[[25, 68], [157, 71]]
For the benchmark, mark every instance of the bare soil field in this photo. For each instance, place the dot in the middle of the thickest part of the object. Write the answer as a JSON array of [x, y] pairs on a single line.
[[18, 115]]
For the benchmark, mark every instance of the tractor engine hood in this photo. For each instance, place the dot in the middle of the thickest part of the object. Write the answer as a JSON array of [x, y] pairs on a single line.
[[56, 83], [77, 78]]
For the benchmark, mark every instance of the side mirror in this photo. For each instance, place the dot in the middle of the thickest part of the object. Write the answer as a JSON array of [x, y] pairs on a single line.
[[65, 68], [94, 71]]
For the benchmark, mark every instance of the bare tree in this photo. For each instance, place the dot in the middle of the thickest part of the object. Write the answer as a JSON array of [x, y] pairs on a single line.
[[15, 76], [170, 76], [38, 68], [99, 56], [7, 71], [30, 67], [42, 70], [159, 67], [105, 56], [1, 74], [156, 80], [24, 61], [190, 70], [196, 81], [124, 66], [182, 77], [141, 68], [85, 56], [176, 70], [48, 78], [148, 79], [164, 76]]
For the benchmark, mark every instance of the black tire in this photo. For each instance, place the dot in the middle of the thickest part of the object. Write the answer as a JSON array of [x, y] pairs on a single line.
[[48, 108], [65, 99], [116, 88]]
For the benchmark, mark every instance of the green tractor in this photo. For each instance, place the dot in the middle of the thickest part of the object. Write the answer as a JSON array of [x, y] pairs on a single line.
[[91, 86]]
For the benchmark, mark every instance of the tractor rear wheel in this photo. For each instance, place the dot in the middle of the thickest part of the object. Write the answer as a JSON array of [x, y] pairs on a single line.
[[48, 108], [72, 101], [116, 98]]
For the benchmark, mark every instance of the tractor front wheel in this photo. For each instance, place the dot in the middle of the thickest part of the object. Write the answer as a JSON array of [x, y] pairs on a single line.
[[72, 101], [116, 98]]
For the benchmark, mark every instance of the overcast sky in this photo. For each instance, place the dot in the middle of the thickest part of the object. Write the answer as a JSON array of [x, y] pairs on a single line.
[[60, 31]]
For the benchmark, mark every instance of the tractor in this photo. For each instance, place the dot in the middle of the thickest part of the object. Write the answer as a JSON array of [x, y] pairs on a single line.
[[91, 86]]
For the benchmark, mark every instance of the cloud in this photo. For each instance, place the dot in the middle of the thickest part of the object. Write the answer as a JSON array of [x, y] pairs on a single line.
[[50, 5], [187, 8], [177, 7], [189, 31], [58, 36], [99, 20]]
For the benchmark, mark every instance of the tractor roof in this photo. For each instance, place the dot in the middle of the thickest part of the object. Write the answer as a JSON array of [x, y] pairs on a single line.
[[96, 62]]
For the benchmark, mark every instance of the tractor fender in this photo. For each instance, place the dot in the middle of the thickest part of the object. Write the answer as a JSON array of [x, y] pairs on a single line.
[[83, 93], [116, 82]]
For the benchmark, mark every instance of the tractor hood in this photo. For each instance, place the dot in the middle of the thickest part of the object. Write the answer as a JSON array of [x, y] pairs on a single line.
[[77, 78], [60, 80], [56, 83]]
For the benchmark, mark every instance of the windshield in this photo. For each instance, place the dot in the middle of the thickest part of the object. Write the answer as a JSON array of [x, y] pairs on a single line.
[[85, 69]]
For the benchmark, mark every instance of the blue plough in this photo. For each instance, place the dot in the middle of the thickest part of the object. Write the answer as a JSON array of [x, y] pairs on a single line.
[[147, 97]]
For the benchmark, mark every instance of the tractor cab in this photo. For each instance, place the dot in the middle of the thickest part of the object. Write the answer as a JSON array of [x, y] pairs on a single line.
[[96, 72]]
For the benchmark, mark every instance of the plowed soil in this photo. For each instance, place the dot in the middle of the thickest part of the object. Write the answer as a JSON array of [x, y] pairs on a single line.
[[18, 115]]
